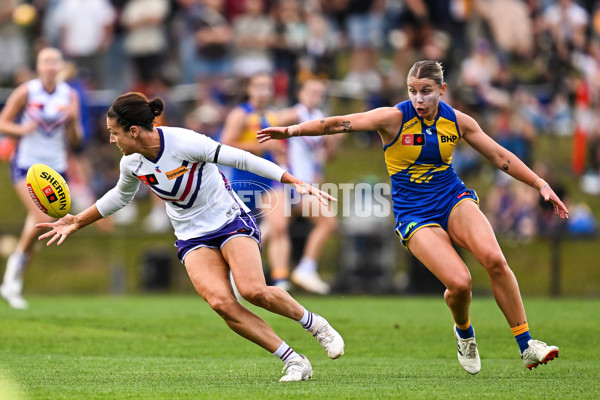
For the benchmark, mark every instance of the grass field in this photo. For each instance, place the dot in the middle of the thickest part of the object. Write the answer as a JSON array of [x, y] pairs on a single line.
[[175, 347]]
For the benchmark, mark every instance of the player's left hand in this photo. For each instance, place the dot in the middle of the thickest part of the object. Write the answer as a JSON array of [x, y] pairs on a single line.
[[60, 229], [559, 208]]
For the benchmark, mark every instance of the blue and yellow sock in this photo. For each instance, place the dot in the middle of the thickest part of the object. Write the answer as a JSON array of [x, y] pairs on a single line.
[[522, 336], [465, 331]]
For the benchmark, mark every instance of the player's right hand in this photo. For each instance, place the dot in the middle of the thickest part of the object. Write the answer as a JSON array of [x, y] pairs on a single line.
[[28, 128], [273, 132], [60, 229]]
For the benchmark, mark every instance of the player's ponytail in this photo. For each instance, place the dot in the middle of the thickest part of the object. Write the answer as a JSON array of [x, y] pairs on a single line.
[[134, 108], [156, 106]]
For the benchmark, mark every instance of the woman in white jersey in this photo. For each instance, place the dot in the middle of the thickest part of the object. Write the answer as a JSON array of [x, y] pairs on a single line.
[[44, 115], [216, 232], [306, 156]]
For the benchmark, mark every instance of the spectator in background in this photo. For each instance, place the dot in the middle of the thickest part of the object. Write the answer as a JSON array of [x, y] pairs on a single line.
[[145, 39], [209, 36], [118, 66], [478, 72], [566, 22], [510, 25], [14, 46], [364, 25], [512, 211], [514, 133], [321, 45], [291, 31], [85, 31], [253, 39], [206, 118]]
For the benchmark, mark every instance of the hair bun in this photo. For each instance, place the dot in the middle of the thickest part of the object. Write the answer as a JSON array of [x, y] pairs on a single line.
[[156, 106]]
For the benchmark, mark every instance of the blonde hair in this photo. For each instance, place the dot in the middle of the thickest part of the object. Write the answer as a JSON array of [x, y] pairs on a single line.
[[428, 69]]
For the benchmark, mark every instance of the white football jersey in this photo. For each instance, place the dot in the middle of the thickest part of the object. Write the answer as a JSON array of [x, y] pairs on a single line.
[[198, 197], [47, 143], [306, 153]]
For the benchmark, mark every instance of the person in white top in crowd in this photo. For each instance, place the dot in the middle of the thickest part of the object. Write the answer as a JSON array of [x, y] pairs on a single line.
[[43, 114], [306, 155], [216, 233], [85, 31]]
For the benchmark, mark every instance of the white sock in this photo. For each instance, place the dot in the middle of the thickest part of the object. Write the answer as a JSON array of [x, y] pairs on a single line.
[[13, 275], [307, 265], [285, 352], [307, 319]]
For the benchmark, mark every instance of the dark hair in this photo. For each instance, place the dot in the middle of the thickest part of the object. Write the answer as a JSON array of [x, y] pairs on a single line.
[[133, 108], [428, 69]]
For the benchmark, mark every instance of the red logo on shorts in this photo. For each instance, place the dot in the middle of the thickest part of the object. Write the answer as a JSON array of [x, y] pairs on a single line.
[[462, 194]]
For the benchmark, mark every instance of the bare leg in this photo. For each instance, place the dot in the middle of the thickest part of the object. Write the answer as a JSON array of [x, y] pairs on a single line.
[[447, 266], [210, 275], [469, 228], [243, 257]]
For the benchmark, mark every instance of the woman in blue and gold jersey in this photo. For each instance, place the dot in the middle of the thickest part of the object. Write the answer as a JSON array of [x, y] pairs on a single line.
[[432, 206], [258, 192]]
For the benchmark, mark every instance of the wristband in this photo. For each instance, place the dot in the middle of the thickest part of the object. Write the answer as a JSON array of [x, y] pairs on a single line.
[[292, 130], [544, 187], [536, 181]]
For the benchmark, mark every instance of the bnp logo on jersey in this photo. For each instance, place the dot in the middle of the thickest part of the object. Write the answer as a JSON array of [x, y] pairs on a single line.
[[448, 139], [417, 139]]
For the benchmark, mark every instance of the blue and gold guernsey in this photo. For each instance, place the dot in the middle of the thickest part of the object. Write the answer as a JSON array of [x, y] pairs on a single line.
[[425, 188], [247, 185], [255, 121]]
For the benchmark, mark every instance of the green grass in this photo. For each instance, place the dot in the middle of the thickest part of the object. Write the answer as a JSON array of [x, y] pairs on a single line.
[[159, 347]]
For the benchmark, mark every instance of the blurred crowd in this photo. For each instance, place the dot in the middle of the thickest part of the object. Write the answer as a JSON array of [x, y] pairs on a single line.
[[522, 68]]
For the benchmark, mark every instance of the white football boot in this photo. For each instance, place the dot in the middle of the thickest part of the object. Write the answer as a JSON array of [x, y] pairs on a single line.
[[310, 281], [13, 297], [538, 353], [468, 355], [296, 369], [328, 337]]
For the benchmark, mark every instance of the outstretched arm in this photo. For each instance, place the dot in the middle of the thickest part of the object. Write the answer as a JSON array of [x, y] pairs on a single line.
[[69, 224], [385, 120], [241, 159], [506, 161], [115, 199]]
